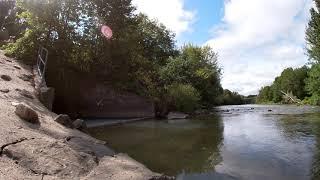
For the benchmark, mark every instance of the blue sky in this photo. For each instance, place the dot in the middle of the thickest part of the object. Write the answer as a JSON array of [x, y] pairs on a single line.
[[208, 14], [255, 39]]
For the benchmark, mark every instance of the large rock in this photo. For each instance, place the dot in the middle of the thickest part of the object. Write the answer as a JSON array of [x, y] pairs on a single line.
[[27, 113], [177, 115], [64, 120], [46, 97]]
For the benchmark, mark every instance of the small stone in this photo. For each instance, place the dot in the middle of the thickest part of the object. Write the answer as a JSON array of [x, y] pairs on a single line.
[[27, 113], [79, 124], [64, 120], [4, 90], [15, 104], [6, 77], [17, 67]]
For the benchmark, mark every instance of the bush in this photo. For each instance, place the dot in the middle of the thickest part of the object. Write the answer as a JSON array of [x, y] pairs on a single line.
[[313, 100], [183, 97], [23, 49]]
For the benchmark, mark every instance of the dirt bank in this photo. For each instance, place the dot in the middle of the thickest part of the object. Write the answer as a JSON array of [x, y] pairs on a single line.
[[48, 150]]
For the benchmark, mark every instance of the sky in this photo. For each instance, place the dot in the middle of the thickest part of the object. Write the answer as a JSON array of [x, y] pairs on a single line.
[[255, 39]]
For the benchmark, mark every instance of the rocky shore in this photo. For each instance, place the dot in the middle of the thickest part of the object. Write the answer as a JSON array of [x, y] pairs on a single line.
[[37, 147]]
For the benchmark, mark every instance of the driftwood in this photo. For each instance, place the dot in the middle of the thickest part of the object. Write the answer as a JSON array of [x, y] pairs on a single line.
[[291, 97]]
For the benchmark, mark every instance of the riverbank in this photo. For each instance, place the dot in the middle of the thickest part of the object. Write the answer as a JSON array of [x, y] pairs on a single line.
[[46, 149]]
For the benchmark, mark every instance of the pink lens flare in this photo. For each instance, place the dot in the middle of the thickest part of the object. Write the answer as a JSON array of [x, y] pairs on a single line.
[[106, 31]]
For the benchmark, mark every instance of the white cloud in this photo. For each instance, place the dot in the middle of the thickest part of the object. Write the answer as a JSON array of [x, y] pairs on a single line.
[[264, 37], [171, 13]]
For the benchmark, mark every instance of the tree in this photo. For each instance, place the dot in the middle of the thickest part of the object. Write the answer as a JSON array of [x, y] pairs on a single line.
[[313, 33], [313, 84], [6, 11], [231, 98], [70, 30], [198, 67], [10, 26], [313, 49], [265, 95]]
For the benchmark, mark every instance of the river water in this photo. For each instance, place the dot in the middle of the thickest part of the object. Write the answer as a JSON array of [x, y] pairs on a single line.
[[236, 142]]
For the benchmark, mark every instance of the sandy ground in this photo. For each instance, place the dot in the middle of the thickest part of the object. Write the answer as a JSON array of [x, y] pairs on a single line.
[[49, 150]]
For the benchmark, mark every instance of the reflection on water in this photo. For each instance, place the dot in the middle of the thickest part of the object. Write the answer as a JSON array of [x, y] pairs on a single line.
[[169, 147], [240, 142]]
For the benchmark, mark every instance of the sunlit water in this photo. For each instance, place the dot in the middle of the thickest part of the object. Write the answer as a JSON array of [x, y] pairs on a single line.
[[238, 142]]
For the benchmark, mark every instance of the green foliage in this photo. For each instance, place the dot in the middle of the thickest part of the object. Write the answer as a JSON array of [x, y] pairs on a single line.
[[141, 57], [313, 84], [313, 100], [231, 98], [251, 99], [6, 12], [183, 97], [196, 66], [291, 80], [19, 49], [265, 95], [313, 50], [157, 42], [70, 30], [313, 33]]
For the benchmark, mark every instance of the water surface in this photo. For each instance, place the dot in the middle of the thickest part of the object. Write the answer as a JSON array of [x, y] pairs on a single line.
[[235, 142]]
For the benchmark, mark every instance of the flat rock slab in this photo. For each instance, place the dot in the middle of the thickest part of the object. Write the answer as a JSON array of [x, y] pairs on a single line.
[[177, 115], [120, 167], [45, 156]]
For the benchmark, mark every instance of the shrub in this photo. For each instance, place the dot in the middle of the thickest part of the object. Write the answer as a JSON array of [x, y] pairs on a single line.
[[23, 49], [313, 100], [183, 97]]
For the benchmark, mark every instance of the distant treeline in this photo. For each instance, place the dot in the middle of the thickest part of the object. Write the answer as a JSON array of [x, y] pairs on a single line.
[[234, 98], [141, 57], [301, 83], [291, 81]]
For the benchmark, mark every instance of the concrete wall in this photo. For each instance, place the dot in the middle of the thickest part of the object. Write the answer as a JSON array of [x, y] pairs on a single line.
[[101, 101]]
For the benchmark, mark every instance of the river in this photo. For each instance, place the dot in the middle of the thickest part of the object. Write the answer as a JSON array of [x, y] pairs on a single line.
[[251, 142]]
